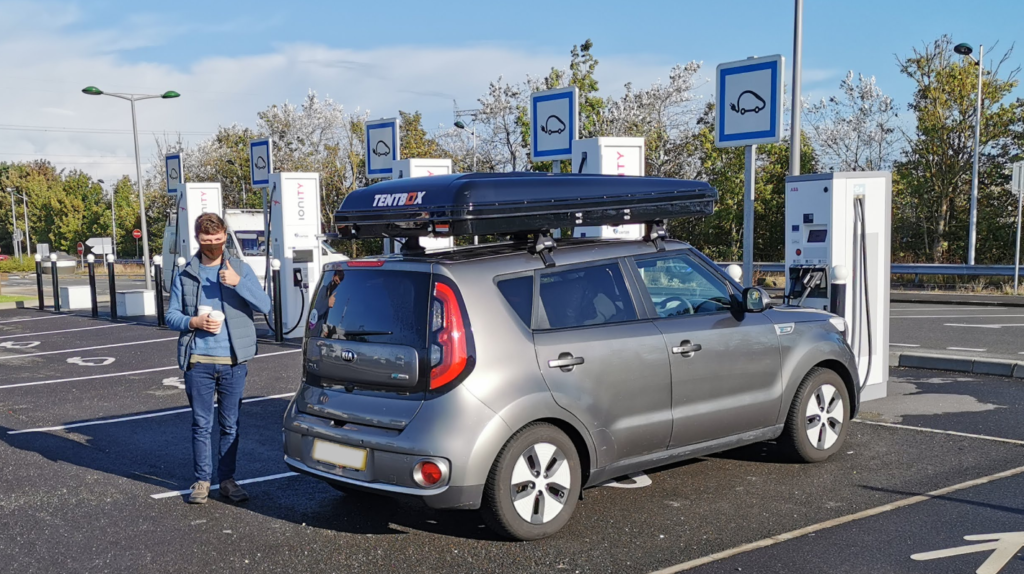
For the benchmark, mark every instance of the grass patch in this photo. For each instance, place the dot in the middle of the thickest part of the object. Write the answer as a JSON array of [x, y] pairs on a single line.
[[14, 298]]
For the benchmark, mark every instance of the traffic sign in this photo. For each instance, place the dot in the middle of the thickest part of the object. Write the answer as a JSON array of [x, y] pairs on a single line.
[[100, 245], [81, 248], [553, 123], [175, 172], [748, 102], [381, 147], [137, 234], [260, 161]]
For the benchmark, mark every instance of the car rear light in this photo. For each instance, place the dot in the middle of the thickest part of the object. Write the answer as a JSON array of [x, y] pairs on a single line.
[[430, 473], [449, 338], [366, 263]]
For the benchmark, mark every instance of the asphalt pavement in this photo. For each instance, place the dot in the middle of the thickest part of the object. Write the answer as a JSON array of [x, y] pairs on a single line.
[[961, 330], [94, 439]]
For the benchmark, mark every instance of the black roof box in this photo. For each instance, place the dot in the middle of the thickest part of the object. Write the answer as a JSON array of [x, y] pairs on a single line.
[[511, 203]]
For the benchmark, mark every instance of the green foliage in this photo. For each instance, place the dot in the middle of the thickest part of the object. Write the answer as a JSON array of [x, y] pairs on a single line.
[[18, 265], [415, 143]]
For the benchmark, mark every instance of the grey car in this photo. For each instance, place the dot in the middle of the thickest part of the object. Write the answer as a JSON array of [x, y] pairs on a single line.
[[481, 378]]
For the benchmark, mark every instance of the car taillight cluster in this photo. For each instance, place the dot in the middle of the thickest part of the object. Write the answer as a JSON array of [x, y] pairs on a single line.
[[448, 350]]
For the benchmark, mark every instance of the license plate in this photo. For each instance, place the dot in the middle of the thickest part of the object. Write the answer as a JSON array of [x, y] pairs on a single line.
[[339, 454]]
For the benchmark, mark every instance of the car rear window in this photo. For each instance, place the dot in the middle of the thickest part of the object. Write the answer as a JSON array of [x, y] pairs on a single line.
[[373, 306], [518, 291]]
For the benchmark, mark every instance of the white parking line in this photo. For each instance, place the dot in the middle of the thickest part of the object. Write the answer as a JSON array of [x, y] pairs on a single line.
[[125, 373], [947, 316], [32, 319], [938, 431], [136, 417], [966, 349], [67, 330], [947, 308], [86, 348], [772, 540], [902, 345], [174, 493]]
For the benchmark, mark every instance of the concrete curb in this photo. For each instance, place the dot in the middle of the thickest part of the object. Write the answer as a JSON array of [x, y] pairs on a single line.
[[34, 304], [981, 366]]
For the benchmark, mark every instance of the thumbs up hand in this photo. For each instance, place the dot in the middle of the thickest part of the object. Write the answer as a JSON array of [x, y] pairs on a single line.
[[228, 275]]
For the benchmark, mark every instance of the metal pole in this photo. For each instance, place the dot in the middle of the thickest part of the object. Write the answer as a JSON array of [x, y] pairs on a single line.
[[1016, 257], [28, 242], [142, 202], [56, 285], [113, 225], [158, 270], [749, 172], [113, 288], [474, 147], [974, 176], [92, 285], [14, 236], [798, 42], [39, 281]]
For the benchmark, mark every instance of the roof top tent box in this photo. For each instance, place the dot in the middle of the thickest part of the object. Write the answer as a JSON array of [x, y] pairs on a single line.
[[419, 167], [516, 204], [609, 156]]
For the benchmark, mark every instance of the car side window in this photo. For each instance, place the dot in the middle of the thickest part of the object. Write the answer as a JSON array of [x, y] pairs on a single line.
[[678, 286], [518, 292], [584, 296]]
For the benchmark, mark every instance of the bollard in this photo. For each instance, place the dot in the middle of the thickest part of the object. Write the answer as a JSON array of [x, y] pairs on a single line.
[[91, 262], [56, 286], [113, 287], [158, 272], [275, 265], [39, 281]]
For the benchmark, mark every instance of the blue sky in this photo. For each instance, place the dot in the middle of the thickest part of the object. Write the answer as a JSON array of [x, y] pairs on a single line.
[[232, 59]]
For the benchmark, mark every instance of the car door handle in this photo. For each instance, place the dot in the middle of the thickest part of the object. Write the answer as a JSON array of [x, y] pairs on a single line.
[[566, 362], [686, 349]]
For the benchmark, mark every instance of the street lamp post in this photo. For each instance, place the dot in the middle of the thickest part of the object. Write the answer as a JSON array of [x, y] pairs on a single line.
[[94, 91], [24, 206], [966, 50], [462, 126]]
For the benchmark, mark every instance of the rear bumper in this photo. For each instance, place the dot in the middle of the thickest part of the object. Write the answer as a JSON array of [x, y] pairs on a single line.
[[446, 497]]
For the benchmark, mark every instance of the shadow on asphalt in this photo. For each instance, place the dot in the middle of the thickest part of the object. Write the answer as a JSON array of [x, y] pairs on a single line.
[[947, 498]]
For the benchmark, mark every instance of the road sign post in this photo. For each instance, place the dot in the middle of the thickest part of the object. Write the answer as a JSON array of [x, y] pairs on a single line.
[[382, 147], [261, 165], [1018, 188], [137, 235], [554, 124], [81, 252], [748, 100]]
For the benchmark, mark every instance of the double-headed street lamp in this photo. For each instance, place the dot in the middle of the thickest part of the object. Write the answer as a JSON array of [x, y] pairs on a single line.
[[14, 218], [94, 91], [966, 50]]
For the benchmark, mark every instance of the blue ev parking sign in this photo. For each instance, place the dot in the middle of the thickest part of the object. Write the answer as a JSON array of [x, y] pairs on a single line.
[[381, 147], [553, 123], [748, 102]]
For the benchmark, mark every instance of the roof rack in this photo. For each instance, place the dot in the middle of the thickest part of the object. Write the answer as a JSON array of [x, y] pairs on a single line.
[[523, 205]]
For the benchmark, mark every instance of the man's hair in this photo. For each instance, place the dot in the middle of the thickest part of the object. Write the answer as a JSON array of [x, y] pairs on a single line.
[[209, 224]]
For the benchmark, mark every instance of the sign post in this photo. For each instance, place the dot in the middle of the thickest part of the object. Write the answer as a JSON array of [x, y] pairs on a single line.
[[137, 235], [81, 252], [382, 143], [748, 111], [1018, 188], [261, 165], [554, 125]]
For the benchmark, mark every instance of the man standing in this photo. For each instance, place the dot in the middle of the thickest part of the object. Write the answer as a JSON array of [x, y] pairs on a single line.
[[212, 302]]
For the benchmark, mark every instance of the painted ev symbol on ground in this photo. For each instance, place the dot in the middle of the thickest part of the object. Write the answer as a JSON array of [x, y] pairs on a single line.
[[91, 361], [1004, 547], [19, 344]]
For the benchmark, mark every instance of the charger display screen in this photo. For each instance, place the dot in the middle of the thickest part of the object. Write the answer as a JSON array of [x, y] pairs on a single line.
[[817, 235]]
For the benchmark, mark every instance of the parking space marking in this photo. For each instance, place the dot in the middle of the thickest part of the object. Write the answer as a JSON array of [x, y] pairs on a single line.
[[939, 431], [137, 417], [947, 308], [772, 540], [902, 345], [213, 487], [947, 316], [86, 348], [72, 379], [966, 349], [67, 330], [32, 319]]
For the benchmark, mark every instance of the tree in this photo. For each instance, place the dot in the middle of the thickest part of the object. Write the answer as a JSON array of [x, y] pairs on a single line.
[[415, 143], [855, 131], [932, 179]]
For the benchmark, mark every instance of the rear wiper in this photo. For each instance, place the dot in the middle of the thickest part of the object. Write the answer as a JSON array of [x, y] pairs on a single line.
[[366, 333]]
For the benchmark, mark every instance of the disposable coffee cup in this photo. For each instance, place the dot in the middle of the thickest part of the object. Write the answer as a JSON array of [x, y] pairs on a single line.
[[203, 310], [216, 315]]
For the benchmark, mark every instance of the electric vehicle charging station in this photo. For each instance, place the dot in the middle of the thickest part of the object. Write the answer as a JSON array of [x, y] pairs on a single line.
[[295, 237], [838, 239], [193, 199], [414, 167], [609, 156]]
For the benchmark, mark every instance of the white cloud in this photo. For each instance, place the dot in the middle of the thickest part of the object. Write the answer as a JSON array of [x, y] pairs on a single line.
[[56, 58]]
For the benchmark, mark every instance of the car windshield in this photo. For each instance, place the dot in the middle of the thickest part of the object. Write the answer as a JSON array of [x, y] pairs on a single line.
[[252, 243]]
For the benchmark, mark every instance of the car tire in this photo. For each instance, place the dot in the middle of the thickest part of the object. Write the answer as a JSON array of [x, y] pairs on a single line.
[[816, 426], [522, 509]]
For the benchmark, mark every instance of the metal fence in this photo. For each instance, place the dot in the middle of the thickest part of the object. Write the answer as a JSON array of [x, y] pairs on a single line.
[[913, 269]]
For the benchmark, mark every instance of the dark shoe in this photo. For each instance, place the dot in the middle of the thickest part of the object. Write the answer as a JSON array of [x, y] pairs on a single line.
[[230, 490], [200, 492]]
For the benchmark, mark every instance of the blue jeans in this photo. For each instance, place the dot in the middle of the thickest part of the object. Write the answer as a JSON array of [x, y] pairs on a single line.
[[202, 382]]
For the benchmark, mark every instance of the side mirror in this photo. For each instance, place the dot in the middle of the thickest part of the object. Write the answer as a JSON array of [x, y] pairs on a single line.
[[756, 299]]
